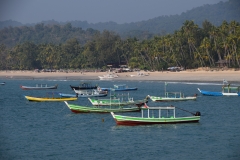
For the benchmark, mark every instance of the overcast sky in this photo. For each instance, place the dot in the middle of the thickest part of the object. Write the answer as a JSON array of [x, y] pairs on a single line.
[[93, 11]]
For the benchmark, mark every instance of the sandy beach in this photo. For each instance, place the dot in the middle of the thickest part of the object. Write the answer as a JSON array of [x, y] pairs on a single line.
[[188, 75]]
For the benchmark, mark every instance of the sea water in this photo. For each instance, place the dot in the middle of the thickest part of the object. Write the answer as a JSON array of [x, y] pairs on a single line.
[[49, 130]]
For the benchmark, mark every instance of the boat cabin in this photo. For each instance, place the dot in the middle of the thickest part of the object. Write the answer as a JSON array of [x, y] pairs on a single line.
[[229, 89], [174, 94], [120, 86], [158, 112]]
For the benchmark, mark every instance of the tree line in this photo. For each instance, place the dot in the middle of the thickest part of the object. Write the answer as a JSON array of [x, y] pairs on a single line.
[[146, 29], [189, 47]]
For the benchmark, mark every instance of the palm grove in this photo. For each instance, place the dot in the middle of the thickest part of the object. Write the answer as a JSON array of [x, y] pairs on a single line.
[[66, 47]]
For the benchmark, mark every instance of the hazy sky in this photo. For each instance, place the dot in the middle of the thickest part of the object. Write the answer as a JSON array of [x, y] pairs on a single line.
[[93, 11]]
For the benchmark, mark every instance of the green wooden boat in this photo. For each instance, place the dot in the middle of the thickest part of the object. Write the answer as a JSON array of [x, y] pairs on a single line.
[[157, 118], [120, 100], [171, 96], [100, 109]]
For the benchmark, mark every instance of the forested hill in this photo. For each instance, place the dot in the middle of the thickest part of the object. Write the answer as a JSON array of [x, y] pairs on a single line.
[[215, 13], [56, 33]]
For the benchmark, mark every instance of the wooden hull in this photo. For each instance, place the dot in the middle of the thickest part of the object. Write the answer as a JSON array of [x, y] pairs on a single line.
[[38, 87], [116, 102], [165, 99], [67, 95], [94, 109], [126, 89], [46, 99], [132, 121], [210, 93], [92, 93], [83, 87]]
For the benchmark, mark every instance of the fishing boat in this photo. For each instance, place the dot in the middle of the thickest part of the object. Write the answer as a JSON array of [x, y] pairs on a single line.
[[68, 95], [39, 87], [84, 85], [90, 93], [120, 87], [156, 115], [139, 74], [100, 109], [2, 83], [226, 91], [109, 76], [50, 98], [120, 100], [172, 96]]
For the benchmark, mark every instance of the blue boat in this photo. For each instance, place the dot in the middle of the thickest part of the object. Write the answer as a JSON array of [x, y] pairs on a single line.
[[226, 91], [210, 93], [67, 95], [119, 87]]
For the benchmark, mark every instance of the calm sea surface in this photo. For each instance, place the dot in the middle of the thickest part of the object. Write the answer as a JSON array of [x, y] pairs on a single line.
[[49, 130]]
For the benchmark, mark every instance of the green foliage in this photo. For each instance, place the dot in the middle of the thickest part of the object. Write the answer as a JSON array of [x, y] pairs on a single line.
[[147, 29], [189, 47]]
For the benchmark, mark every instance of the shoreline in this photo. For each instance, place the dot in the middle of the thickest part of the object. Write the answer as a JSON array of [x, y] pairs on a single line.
[[191, 75]]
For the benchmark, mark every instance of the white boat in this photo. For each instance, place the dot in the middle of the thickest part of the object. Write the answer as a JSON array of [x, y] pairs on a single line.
[[172, 96], [90, 93], [109, 76], [139, 74]]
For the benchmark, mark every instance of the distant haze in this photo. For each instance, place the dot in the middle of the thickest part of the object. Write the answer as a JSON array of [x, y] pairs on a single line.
[[94, 11]]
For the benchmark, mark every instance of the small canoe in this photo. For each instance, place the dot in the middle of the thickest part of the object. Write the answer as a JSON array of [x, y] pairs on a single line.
[[100, 109], [156, 118], [39, 87], [50, 99]]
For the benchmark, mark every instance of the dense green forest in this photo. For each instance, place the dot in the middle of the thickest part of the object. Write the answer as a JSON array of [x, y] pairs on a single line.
[[188, 47], [162, 25], [40, 33]]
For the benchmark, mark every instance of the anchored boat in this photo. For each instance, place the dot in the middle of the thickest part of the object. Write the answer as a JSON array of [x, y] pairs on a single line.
[[100, 109], [172, 96], [49, 99], [39, 87], [83, 86], [154, 115], [90, 93], [120, 87], [118, 100], [227, 90]]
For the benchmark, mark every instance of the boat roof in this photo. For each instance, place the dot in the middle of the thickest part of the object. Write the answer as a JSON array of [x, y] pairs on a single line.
[[160, 108]]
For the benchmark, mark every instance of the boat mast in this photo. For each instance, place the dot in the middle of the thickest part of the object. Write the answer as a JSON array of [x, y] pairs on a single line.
[[165, 88]]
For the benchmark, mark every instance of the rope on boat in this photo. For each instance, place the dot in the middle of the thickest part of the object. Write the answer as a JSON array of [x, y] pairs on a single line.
[[195, 114]]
